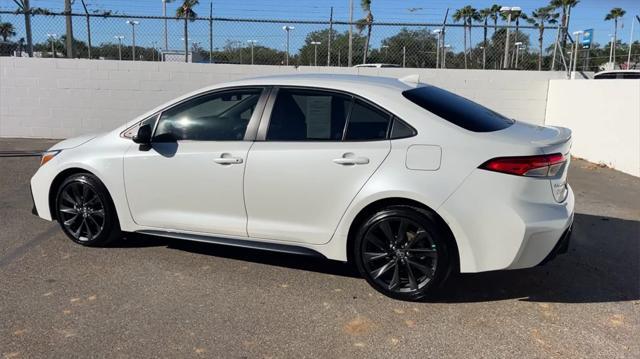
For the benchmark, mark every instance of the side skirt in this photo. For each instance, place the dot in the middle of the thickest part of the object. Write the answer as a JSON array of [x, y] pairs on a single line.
[[243, 243]]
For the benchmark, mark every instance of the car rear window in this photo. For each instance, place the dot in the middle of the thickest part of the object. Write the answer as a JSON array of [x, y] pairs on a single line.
[[457, 109]]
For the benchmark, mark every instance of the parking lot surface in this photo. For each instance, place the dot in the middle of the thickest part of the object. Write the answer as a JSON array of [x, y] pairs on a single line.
[[153, 297]]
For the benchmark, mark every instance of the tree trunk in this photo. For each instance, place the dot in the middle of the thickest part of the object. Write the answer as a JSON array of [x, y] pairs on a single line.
[[615, 41], [69, 23], [464, 30], [366, 44], [540, 44], [484, 45], [470, 43], [186, 40]]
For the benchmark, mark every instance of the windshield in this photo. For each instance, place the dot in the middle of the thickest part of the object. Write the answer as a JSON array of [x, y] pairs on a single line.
[[457, 109]]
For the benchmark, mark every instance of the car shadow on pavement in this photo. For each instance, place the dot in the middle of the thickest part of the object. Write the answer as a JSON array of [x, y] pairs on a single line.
[[602, 265]]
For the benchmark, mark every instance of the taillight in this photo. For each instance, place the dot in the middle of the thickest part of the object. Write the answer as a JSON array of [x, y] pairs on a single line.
[[529, 166]]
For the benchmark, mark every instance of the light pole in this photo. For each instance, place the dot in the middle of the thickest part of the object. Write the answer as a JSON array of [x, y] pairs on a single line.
[[287, 29], [517, 44], [508, 10], [438, 32], [444, 55], [153, 50], [611, 50], [575, 51], [252, 43], [386, 52], [53, 38], [133, 24], [120, 38], [315, 52], [164, 14], [404, 56]]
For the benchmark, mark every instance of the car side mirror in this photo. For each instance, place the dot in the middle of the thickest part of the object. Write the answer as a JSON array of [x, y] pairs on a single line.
[[143, 136]]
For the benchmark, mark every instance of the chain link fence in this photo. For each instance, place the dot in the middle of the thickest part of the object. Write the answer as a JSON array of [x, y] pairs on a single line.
[[283, 42]]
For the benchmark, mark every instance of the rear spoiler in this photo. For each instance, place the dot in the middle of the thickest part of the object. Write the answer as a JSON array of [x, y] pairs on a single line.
[[564, 135]]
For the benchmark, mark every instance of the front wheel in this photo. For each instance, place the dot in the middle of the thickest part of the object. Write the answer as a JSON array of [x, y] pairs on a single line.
[[85, 211], [402, 252]]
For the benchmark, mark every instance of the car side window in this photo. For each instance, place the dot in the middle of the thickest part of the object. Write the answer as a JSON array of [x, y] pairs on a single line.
[[133, 130], [400, 129], [367, 123], [308, 115], [221, 116]]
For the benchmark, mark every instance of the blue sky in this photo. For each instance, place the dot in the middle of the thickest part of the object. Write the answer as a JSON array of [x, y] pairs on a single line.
[[588, 14]]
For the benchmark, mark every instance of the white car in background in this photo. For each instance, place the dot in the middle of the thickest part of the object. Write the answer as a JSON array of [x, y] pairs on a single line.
[[408, 181]]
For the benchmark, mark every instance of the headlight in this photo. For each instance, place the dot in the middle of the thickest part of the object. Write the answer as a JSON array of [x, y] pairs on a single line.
[[47, 156]]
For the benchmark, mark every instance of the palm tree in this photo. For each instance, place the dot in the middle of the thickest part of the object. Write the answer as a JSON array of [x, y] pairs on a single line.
[[365, 22], [186, 11], [538, 18], [7, 30], [614, 15], [566, 6], [466, 14], [515, 15], [485, 14]]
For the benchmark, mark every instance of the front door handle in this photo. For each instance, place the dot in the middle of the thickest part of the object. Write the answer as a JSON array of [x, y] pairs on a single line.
[[349, 159], [227, 159]]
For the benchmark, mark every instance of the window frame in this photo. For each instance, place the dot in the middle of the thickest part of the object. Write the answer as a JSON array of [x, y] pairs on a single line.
[[252, 126], [270, 103]]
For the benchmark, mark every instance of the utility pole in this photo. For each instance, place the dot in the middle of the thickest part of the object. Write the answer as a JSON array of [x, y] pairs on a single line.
[[437, 32], [631, 42], [27, 26], [287, 29], [53, 39], [329, 37], [404, 56], [86, 12], [164, 15], [211, 34], [443, 32], [69, 37], [133, 24], [315, 52], [349, 61], [119, 37], [252, 42]]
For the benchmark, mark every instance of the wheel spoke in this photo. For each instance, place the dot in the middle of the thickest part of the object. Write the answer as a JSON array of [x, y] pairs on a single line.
[[76, 233], [85, 193], [402, 231], [372, 256], [99, 213], [68, 198], [70, 210], [71, 220], [98, 226], [432, 253], [413, 284], [395, 280], [386, 229], [422, 268], [376, 241], [93, 199], [89, 232], [76, 193], [382, 270]]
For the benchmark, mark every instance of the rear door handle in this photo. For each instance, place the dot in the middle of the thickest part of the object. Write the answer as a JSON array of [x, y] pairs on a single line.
[[227, 159], [349, 159]]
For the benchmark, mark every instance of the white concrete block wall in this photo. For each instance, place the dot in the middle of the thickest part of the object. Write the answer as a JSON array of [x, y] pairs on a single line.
[[604, 116], [59, 98]]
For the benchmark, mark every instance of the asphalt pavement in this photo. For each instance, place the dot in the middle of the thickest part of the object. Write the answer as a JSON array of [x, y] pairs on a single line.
[[153, 297]]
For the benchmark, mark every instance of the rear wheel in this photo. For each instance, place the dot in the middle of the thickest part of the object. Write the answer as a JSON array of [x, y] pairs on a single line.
[[85, 211], [403, 252]]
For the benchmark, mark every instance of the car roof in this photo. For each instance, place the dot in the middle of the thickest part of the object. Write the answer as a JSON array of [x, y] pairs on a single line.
[[351, 83], [617, 71]]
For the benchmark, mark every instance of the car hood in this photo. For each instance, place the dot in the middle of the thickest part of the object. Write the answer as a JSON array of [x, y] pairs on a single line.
[[73, 142]]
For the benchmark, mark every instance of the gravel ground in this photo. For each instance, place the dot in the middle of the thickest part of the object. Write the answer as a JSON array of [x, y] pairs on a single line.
[[152, 297]]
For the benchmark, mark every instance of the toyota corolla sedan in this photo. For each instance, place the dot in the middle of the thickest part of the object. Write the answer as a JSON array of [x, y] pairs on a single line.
[[406, 180]]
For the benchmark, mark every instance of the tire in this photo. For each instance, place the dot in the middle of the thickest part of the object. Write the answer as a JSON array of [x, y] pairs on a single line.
[[409, 264], [86, 212]]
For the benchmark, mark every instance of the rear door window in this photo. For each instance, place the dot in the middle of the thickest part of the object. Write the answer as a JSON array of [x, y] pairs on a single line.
[[457, 109]]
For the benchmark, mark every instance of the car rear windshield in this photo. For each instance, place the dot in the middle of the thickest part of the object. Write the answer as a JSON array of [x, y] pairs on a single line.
[[457, 109]]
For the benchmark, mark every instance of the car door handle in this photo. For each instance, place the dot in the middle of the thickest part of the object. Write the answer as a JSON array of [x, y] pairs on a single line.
[[351, 161], [227, 159]]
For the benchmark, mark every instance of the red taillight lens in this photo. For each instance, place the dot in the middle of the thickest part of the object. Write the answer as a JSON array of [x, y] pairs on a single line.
[[530, 166]]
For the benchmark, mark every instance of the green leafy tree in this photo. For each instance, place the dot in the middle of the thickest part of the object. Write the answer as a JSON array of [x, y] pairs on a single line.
[[339, 46], [538, 19], [420, 48], [186, 12], [565, 6], [7, 30], [614, 14], [365, 23], [467, 14]]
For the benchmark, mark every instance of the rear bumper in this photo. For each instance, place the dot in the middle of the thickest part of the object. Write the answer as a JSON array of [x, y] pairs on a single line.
[[507, 222], [561, 247]]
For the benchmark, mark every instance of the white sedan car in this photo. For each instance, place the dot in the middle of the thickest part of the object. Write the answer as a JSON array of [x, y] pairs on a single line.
[[406, 180]]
